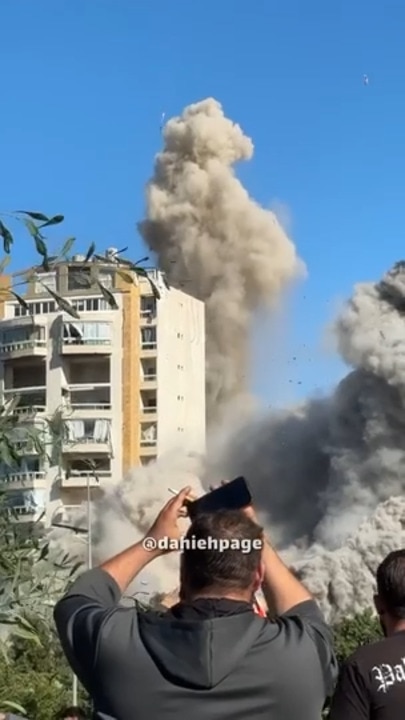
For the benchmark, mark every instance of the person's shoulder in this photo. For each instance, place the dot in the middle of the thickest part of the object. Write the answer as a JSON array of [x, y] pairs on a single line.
[[306, 614]]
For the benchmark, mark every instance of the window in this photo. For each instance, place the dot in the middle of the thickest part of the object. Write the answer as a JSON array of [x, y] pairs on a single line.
[[26, 502], [26, 466], [47, 307], [35, 308], [148, 401], [92, 466], [148, 306], [149, 436], [79, 278], [148, 338], [87, 333], [90, 304], [85, 431], [149, 369], [23, 336]]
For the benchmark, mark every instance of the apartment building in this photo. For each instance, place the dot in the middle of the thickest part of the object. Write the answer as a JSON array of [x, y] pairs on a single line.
[[110, 391]]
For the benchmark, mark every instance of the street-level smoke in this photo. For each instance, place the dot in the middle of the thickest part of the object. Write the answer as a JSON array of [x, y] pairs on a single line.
[[214, 241]]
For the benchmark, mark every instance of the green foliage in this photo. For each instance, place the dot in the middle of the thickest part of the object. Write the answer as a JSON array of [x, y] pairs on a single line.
[[38, 675], [34, 223], [353, 632], [31, 575]]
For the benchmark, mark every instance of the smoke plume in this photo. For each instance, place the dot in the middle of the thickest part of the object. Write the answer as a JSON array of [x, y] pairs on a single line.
[[215, 242], [328, 475], [319, 472]]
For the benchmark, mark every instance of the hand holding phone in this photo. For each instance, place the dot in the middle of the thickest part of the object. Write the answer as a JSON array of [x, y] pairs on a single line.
[[230, 496]]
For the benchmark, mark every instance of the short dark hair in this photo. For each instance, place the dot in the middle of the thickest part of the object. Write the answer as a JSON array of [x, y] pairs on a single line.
[[391, 583], [230, 568], [72, 712]]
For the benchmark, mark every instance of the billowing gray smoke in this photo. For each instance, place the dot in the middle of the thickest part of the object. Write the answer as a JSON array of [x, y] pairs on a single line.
[[319, 472], [212, 240], [328, 476]]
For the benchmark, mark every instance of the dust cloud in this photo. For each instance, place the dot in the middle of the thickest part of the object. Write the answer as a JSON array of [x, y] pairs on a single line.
[[214, 241], [327, 476]]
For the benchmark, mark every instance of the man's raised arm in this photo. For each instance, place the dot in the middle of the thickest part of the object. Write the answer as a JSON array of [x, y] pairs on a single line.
[[80, 614]]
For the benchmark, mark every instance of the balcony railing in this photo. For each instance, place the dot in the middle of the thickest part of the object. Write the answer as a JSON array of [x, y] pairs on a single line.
[[27, 477], [21, 345], [25, 510], [32, 400], [148, 312], [90, 397], [83, 478], [149, 410], [149, 378], [87, 473], [86, 341], [149, 345], [87, 440], [148, 442]]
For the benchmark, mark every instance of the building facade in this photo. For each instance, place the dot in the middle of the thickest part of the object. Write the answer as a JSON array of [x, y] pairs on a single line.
[[114, 389]]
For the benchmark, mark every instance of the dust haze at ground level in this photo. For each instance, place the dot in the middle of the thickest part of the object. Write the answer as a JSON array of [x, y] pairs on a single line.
[[327, 476]]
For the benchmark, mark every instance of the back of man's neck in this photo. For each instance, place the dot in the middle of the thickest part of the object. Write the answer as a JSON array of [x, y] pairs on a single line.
[[235, 597]]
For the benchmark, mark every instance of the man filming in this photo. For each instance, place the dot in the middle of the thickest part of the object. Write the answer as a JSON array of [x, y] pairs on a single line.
[[210, 655]]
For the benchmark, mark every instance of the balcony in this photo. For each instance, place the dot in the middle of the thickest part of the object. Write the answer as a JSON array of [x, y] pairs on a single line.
[[148, 372], [85, 337], [83, 397], [87, 436], [147, 458], [148, 310], [87, 369], [148, 441], [68, 514], [31, 400], [148, 407], [22, 341], [29, 435], [148, 341], [28, 504], [21, 479], [82, 473]]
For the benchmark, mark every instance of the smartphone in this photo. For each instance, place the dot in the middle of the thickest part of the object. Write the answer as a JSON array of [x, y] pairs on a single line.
[[232, 496]]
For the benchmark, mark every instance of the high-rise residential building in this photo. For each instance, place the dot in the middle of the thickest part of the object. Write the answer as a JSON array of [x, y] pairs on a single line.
[[112, 390]]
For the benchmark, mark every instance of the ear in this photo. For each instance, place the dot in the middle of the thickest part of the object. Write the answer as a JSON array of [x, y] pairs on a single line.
[[259, 577]]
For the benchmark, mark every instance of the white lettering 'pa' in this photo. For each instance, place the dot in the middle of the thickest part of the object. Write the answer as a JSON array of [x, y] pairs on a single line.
[[388, 675]]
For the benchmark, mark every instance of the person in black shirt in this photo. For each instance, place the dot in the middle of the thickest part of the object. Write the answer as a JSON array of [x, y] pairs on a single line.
[[371, 684]]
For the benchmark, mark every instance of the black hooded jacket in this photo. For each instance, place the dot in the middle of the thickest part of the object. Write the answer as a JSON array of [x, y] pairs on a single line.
[[212, 660]]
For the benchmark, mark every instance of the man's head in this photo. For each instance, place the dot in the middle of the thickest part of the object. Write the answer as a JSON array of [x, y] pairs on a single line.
[[231, 568], [72, 713], [390, 598]]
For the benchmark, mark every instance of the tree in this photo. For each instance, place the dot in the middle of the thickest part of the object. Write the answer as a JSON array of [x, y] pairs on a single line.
[[38, 675], [31, 574], [351, 633]]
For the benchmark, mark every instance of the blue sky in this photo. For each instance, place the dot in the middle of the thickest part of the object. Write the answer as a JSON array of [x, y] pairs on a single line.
[[83, 87]]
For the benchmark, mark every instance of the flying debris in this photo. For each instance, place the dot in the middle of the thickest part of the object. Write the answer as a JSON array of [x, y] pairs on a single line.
[[365, 80], [162, 121]]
